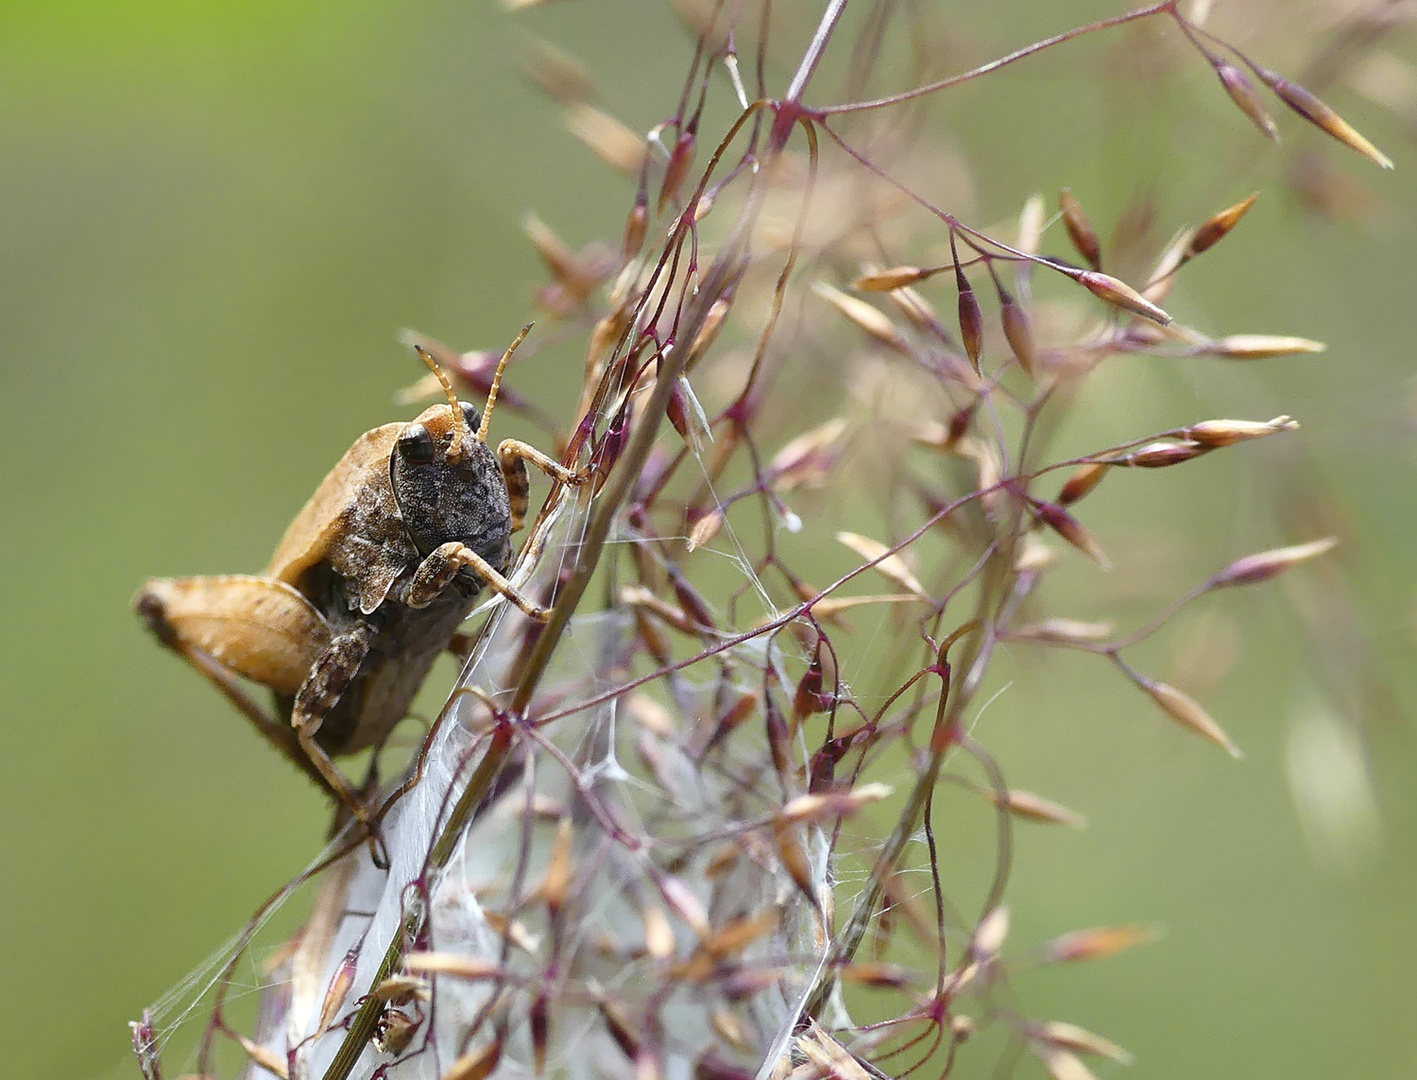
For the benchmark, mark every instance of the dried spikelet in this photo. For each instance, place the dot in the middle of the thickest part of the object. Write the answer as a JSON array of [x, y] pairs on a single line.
[[1063, 631], [264, 1057], [609, 139], [1216, 433], [459, 965], [1080, 230], [879, 973], [890, 565], [872, 322], [686, 905], [650, 715], [559, 258], [705, 529], [833, 803], [1321, 116], [402, 987], [990, 934], [1186, 711], [659, 935], [1260, 346], [1082, 481], [556, 883], [1160, 454], [338, 990], [1097, 943], [1018, 332], [1217, 226], [971, 319], [918, 311], [1031, 807], [681, 158], [807, 459], [828, 1058], [1163, 278], [476, 1064], [832, 606], [886, 280], [1061, 1064], [636, 226], [1031, 219], [558, 74], [1034, 555], [708, 333], [1071, 530], [1072, 1037], [1267, 564], [1245, 95], [1119, 294]]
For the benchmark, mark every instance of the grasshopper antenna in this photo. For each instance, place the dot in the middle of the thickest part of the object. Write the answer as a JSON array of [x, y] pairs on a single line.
[[459, 423], [481, 434]]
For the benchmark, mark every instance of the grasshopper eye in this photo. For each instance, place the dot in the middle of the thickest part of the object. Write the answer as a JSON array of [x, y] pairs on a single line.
[[471, 415], [416, 445]]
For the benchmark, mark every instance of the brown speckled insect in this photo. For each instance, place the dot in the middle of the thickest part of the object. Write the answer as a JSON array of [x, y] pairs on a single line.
[[367, 587]]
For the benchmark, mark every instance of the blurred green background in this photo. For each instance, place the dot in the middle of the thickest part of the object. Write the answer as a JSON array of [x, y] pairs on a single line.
[[213, 219]]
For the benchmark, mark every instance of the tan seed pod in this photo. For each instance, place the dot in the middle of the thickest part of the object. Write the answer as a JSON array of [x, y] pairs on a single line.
[[1071, 530], [1161, 454], [559, 258], [1019, 334], [1034, 555], [1119, 294], [1072, 1037], [264, 1057], [1215, 228], [739, 933], [1061, 1064], [1096, 943], [659, 935], [1186, 711], [558, 74], [1267, 564], [814, 807], [832, 606], [1322, 116], [1244, 94], [708, 332], [1261, 346], [917, 310], [808, 458], [1031, 220], [705, 529], [1081, 482], [681, 159], [1063, 631], [1217, 433], [1031, 807], [1080, 230], [609, 139], [556, 883], [990, 934], [338, 990], [402, 987], [868, 319], [476, 1064], [456, 964], [891, 566], [895, 277], [971, 320], [636, 225]]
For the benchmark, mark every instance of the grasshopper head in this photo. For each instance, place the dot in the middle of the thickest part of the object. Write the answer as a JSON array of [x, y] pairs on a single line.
[[448, 485]]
